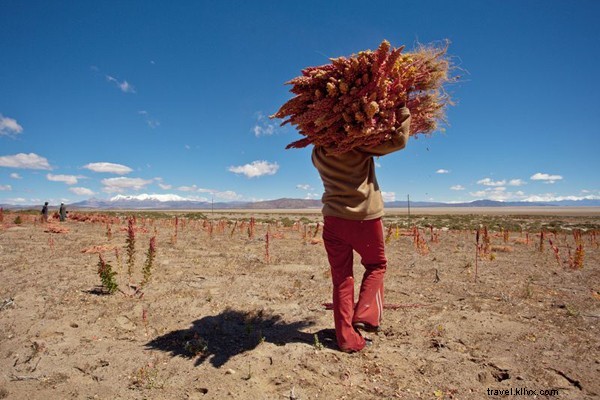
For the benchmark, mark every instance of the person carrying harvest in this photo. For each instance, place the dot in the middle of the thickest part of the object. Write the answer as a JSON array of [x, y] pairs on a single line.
[[352, 110], [352, 211]]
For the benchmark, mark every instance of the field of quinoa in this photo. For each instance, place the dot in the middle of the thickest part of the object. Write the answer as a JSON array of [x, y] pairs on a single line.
[[234, 305]]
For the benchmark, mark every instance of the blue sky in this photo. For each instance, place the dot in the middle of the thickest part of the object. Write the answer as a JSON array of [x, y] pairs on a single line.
[[99, 99]]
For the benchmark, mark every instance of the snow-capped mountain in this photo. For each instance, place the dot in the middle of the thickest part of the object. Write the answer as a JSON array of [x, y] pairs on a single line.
[[148, 197]]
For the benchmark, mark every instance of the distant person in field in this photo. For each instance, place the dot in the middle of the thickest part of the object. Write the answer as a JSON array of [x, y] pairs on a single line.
[[45, 212], [62, 212], [352, 211]]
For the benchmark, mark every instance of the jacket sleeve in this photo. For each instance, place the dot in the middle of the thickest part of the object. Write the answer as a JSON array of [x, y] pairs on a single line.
[[396, 142]]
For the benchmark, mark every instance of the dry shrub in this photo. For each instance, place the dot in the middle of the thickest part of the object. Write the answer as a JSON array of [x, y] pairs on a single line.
[[56, 229], [502, 249], [97, 249]]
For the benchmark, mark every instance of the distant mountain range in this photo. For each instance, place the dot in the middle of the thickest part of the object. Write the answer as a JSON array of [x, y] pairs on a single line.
[[494, 203], [173, 202], [133, 202]]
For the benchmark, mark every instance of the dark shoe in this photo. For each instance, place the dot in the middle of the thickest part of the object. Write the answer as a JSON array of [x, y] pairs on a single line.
[[368, 343], [363, 326]]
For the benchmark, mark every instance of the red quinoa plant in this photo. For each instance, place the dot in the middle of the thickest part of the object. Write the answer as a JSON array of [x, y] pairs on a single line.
[[356, 101], [130, 246]]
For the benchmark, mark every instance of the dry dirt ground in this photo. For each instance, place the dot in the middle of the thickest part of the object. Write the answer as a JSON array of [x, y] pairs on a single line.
[[219, 320]]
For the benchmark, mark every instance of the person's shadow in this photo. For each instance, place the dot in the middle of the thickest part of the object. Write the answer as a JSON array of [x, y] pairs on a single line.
[[233, 332]]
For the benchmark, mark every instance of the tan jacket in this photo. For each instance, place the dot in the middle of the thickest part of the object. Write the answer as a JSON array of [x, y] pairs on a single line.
[[351, 189]]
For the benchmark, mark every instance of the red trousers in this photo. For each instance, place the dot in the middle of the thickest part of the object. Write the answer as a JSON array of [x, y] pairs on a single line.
[[341, 238]]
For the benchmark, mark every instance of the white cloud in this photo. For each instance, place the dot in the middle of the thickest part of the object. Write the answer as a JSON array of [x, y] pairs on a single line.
[[546, 178], [517, 182], [199, 198], [480, 193], [263, 126], [124, 86], [195, 188], [121, 184], [9, 126], [26, 161], [489, 182], [108, 168], [192, 188], [6, 188], [503, 182], [255, 169], [81, 191], [499, 194], [162, 185], [151, 121], [442, 171], [377, 165], [457, 187], [388, 196], [304, 187], [14, 175], [228, 195], [311, 196], [554, 197], [263, 131], [17, 200], [68, 179]]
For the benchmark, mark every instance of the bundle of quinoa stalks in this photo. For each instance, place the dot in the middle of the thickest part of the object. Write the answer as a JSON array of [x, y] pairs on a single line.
[[356, 101]]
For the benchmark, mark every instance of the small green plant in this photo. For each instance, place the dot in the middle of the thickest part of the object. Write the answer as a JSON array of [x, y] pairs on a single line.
[[146, 377], [572, 311], [318, 345], [18, 220], [286, 222], [107, 276], [196, 345]]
